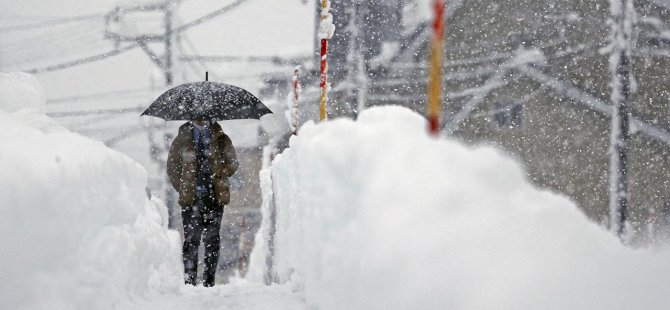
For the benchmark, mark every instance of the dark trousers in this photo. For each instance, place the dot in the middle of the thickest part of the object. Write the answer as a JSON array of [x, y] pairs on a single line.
[[202, 220]]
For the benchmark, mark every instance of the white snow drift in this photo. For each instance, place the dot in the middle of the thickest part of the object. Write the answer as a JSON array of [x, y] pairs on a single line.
[[20, 91], [375, 214], [76, 227]]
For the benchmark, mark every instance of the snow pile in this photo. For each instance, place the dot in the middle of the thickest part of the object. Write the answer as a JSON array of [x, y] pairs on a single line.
[[19, 91], [77, 229], [375, 214]]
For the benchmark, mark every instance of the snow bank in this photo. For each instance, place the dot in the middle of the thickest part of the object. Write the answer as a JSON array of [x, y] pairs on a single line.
[[375, 214], [76, 227], [20, 91]]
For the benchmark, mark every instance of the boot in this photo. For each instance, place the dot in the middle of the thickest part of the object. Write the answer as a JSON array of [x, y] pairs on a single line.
[[189, 277], [208, 279]]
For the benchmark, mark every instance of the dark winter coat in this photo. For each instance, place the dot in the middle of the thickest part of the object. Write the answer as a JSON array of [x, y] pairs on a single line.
[[182, 164]]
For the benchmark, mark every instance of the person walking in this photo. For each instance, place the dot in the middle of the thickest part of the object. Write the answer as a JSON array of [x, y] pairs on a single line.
[[201, 160]]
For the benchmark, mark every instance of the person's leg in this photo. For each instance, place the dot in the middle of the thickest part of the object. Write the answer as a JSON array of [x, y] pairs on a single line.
[[212, 239], [192, 220]]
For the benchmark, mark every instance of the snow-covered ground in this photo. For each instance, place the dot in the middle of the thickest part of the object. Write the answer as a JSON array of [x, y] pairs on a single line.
[[375, 214]]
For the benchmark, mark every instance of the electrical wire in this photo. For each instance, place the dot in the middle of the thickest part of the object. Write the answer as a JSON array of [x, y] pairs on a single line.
[[190, 44], [99, 95], [210, 16], [69, 41], [51, 22], [95, 112], [84, 60], [126, 48], [45, 51]]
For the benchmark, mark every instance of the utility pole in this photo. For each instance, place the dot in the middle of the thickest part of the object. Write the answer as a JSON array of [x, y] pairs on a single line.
[[357, 78], [168, 44], [435, 68], [170, 200], [165, 61], [326, 30], [294, 102], [620, 65], [157, 149]]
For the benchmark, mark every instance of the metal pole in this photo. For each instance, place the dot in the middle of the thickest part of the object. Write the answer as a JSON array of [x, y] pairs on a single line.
[[170, 200], [620, 139], [294, 107], [325, 33], [323, 80], [168, 44], [620, 136]]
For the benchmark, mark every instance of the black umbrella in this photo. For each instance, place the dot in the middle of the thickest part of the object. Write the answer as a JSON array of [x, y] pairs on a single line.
[[207, 100]]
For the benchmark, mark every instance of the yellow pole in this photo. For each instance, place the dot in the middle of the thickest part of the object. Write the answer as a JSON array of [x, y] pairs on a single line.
[[434, 69]]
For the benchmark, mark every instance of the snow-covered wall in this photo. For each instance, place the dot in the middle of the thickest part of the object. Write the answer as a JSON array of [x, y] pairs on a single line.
[[77, 230], [375, 214]]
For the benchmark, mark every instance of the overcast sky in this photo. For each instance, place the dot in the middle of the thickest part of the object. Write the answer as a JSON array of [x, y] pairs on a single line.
[[257, 27]]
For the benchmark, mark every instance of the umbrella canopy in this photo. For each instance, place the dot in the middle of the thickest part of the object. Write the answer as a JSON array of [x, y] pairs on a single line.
[[207, 100]]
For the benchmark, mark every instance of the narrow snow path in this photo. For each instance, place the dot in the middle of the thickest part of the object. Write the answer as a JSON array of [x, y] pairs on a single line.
[[232, 296]]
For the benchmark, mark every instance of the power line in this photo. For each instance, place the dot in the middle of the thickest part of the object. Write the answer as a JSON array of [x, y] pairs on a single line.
[[48, 23], [190, 65], [209, 16], [70, 39], [79, 125], [29, 54], [95, 112], [84, 60], [129, 132], [189, 43], [98, 95], [128, 47], [67, 40], [224, 58]]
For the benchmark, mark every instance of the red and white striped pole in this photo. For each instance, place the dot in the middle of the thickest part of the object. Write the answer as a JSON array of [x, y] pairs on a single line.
[[435, 68], [326, 30], [296, 94]]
